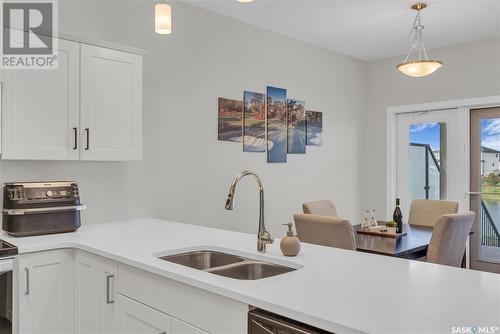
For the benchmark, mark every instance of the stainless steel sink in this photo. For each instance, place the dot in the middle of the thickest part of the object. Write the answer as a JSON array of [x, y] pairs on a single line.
[[228, 265], [203, 259], [251, 270]]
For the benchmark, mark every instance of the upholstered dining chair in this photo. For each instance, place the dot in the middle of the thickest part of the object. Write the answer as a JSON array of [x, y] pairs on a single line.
[[425, 212], [324, 208], [325, 231], [449, 236]]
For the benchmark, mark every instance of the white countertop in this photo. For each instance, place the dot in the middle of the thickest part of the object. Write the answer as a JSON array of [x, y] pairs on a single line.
[[336, 290]]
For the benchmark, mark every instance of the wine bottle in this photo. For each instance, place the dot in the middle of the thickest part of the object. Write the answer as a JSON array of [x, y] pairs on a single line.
[[397, 216]]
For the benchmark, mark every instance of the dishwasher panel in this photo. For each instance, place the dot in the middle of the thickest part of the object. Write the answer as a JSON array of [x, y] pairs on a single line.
[[263, 322]]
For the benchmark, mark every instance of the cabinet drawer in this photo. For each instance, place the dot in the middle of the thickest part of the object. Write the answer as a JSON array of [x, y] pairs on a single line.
[[202, 309], [136, 318]]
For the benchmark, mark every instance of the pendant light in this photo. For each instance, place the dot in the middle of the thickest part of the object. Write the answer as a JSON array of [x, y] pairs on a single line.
[[245, 1], [163, 18], [422, 66]]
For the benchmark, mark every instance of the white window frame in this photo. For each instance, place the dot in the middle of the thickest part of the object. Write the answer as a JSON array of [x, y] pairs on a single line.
[[392, 113]]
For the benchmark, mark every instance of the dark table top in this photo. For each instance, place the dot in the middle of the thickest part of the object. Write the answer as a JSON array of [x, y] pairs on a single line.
[[411, 245]]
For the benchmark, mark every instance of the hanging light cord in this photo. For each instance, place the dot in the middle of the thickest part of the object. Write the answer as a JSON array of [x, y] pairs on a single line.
[[417, 38]]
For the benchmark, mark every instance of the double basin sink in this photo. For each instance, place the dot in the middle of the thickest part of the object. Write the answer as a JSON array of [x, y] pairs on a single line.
[[228, 265]]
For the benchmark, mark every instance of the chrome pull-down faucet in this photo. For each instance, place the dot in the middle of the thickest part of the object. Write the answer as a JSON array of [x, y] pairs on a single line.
[[263, 236]]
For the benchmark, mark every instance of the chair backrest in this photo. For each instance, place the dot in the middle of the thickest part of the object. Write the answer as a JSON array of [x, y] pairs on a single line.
[[324, 208], [425, 212], [325, 231], [448, 239]]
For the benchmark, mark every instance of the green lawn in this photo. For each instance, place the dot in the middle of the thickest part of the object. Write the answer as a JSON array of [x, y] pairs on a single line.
[[493, 192]]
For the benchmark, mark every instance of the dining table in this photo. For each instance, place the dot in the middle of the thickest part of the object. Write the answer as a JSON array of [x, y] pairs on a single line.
[[412, 245]]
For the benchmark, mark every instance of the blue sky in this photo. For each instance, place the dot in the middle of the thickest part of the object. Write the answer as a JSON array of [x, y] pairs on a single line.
[[490, 133], [276, 93], [425, 133], [428, 133]]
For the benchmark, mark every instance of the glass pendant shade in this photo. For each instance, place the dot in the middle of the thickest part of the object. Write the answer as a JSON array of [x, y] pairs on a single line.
[[163, 19], [245, 1], [419, 68]]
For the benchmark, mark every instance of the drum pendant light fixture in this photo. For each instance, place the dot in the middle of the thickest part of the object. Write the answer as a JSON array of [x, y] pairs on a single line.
[[163, 19], [422, 66]]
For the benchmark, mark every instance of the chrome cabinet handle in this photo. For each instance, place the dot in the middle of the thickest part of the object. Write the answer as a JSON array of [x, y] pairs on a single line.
[[108, 288], [165, 332], [87, 130], [75, 132], [27, 271]]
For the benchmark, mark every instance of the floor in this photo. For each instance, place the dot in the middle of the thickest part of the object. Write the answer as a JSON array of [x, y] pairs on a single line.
[[490, 252]]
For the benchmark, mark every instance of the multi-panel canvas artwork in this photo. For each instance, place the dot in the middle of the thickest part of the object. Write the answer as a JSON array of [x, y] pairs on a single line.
[[296, 126], [230, 118], [270, 123], [314, 128], [276, 125], [254, 122]]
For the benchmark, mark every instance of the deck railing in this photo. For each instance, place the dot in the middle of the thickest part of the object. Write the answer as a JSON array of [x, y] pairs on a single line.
[[425, 163], [489, 231]]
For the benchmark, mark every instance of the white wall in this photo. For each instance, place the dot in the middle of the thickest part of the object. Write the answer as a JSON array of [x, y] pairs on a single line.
[[186, 172], [470, 70]]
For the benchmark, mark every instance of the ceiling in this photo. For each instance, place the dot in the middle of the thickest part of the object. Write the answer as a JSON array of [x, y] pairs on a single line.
[[367, 30]]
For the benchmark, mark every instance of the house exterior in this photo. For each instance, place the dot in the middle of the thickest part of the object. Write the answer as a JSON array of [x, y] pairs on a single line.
[[489, 161]]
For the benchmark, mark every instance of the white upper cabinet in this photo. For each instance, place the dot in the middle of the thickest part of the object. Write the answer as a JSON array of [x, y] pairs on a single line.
[[40, 112], [111, 104], [90, 108]]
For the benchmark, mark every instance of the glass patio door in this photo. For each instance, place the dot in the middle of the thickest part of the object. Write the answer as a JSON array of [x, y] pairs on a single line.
[[485, 188], [430, 157]]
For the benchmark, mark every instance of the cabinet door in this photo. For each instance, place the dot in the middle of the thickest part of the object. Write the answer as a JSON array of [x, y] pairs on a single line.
[[138, 318], [40, 112], [111, 104], [45, 292], [95, 293], [180, 327]]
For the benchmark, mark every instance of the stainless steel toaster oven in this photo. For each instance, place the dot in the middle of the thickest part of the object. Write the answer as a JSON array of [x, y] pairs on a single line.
[[33, 208]]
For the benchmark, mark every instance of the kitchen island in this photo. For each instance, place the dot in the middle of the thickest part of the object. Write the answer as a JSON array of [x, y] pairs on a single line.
[[333, 289]]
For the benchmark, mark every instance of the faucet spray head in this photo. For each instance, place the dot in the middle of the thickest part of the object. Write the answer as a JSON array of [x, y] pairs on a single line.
[[230, 199]]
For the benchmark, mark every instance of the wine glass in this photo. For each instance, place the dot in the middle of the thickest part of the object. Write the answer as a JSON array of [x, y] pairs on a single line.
[[373, 221], [365, 224]]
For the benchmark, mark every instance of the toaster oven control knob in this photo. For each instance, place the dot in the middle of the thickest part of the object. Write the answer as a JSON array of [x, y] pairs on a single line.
[[49, 193]]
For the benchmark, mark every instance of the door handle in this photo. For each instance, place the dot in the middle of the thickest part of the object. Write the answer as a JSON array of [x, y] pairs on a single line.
[[87, 130], [75, 132], [108, 289], [27, 291]]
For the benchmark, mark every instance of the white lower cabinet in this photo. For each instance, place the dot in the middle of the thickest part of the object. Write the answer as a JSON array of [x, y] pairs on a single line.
[[136, 318], [95, 293], [72, 291], [180, 327], [45, 292]]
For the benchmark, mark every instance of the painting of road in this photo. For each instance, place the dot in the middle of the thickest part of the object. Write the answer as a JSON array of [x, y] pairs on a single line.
[[314, 125], [254, 122], [276, 125], [296, 126], [230, 119]]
